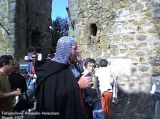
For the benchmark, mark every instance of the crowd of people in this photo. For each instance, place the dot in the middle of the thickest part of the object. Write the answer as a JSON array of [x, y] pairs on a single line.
[[17, 83], [63, 85], [70, 88]]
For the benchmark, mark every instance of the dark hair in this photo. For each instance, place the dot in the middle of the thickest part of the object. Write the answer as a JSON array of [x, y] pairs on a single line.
[[34, 53], [89, 60], [31, 49], [5, 59], [103, 63], [16, 67], [38, 49]]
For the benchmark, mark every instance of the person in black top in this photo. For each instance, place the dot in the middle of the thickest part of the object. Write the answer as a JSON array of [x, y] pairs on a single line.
[[16, 79], [57, 90]]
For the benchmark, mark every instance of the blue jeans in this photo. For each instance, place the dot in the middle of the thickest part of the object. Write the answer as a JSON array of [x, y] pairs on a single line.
[[157, 109], [97, 110]]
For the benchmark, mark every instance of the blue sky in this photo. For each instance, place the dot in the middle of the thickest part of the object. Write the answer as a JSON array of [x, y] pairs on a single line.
[[59, 8]]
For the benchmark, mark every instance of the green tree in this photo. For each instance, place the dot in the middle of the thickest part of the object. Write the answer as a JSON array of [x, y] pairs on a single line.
[[60, 28]]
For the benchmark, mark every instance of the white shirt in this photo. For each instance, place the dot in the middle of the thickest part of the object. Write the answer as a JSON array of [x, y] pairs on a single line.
[[39, 56], [105, 79]]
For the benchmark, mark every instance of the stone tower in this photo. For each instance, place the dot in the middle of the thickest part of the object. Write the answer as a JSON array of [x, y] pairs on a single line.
[[24, 23], [127, 33]]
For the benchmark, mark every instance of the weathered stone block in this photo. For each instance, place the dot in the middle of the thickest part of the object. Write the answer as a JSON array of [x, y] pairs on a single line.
[[154, 60], [139, 7], [143, 68], [128, 37], [133, 70], [141, 37], [91, 48], [157, 28], [86, 54], [114, 52], [141, 44], [97, 53], [157, 14]]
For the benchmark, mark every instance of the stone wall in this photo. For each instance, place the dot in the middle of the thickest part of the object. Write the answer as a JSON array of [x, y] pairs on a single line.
[[127, 33], [7, 28], [27, 22]]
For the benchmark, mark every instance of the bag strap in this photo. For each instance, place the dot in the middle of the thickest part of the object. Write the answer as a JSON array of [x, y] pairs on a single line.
[[26, 95]]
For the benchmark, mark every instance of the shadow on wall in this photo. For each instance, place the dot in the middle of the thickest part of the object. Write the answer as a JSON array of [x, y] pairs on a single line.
[[133, 101], [133, 106], [156, 59], [141, 105], [20, 29], [155, 32]]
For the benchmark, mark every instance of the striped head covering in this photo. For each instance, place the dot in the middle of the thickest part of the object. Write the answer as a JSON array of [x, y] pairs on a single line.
[[63, 49]]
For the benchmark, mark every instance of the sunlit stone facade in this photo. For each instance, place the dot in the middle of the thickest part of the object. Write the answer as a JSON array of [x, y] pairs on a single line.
[[127, 33]]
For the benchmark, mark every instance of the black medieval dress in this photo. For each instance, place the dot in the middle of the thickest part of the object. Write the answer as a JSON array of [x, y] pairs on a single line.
[[57, 92]]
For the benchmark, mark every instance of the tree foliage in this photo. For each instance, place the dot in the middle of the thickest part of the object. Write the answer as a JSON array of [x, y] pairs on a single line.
[[60, 28]]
